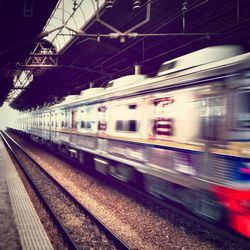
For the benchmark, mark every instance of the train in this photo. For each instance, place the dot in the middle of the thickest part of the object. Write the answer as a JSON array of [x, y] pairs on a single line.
[[182, 135]]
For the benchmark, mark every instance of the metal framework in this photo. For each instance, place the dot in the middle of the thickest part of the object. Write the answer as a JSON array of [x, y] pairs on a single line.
[[43, 56]]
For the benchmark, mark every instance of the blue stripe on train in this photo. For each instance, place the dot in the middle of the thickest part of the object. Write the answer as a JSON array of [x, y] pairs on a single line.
[[237, 169]]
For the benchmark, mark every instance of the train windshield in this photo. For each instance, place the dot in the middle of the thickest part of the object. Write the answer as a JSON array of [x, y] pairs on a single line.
[[242, 109]]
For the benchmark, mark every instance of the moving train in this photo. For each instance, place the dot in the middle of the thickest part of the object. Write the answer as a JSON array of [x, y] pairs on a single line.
[[182, 135]]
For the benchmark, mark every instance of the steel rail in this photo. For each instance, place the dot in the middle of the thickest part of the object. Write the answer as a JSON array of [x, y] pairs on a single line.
[[66, 236], [118, 242]]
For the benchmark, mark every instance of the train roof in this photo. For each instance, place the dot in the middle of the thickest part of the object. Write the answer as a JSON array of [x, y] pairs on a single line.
[[126, 80], [224, 67], [200, 57], [213, 69]]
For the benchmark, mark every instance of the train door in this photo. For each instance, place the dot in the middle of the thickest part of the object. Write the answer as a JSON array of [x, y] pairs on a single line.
[[211, 107], [212, 131], [73, 120], [212, 119]]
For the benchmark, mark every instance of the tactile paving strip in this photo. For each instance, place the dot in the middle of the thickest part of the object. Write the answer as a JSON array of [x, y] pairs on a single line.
[[31, 232]]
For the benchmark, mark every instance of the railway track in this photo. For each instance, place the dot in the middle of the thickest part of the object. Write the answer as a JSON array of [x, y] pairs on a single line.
[[219, 228], [78, 226], [229, 235]]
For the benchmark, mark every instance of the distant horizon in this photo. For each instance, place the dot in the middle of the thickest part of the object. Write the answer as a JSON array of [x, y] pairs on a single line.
[[7, 116]]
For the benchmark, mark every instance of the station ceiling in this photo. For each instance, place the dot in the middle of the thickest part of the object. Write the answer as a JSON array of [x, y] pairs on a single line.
[[21, 22], [93, 58]]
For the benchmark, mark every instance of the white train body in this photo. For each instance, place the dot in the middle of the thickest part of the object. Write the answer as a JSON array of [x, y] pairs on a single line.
[[185, 132]]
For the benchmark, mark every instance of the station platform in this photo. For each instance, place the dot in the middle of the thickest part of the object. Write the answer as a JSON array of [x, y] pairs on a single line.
[[20, 227]]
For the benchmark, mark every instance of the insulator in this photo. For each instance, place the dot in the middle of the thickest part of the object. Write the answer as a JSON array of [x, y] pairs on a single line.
[[75, 5], [109, 4], [184, 6], [136, 4]]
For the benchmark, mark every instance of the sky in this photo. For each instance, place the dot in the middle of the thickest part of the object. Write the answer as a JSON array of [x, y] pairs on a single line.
[[74, 19], [7, 116]]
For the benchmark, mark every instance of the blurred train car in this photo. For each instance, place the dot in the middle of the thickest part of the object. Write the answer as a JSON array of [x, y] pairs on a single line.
[[182, 135]]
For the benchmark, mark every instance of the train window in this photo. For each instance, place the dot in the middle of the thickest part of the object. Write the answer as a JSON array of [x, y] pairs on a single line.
[[56, 120], [40, 121], [82, 124], [132, 125], [83, 118], [88, 118], [242, 109], [163, 127], [132, 106], [211, 110], [62, 119], [126, 125], [48, 120], [88, 124], [52, 120], [163, 123], [102, 117], [102, 109], [118, 125], [73, 119], [66, 119], [127, 116], [167, 66]]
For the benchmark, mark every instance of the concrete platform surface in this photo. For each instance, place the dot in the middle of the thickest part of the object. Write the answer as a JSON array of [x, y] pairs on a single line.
[[20, 227]]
